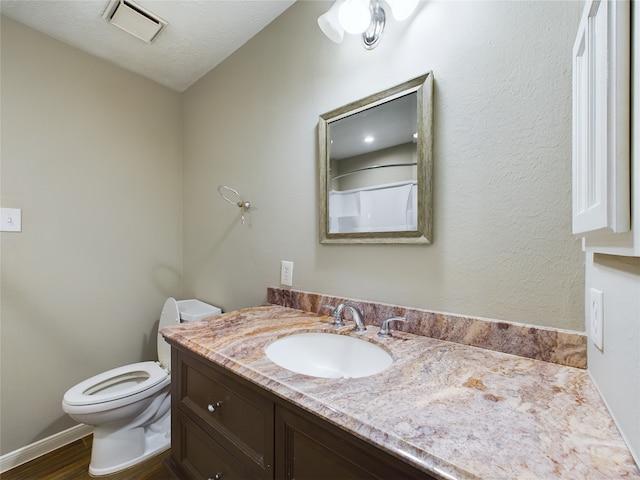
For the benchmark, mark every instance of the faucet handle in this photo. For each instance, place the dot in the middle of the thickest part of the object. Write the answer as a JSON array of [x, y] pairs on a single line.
[[335, 313], [385, 330]]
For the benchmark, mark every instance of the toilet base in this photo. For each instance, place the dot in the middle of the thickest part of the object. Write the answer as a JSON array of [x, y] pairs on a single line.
[[156, 444], [120, 446]]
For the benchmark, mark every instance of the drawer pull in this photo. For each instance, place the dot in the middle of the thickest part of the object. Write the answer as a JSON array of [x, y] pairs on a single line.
[[212, 407], [217, 476]]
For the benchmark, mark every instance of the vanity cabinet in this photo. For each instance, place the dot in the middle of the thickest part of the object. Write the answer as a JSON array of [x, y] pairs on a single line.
[[225, 427], [309, 448], [221, 427]]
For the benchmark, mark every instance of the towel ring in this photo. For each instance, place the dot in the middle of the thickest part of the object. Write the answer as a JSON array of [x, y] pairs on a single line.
[[238, 202]]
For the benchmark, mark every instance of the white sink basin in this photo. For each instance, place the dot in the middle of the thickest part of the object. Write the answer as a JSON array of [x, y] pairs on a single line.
[[328, 355]]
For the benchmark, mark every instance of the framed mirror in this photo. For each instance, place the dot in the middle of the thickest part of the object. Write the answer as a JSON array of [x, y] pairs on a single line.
[[375, 164]]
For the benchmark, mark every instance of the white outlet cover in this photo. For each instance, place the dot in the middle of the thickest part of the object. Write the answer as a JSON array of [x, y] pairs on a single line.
[[286, 273]]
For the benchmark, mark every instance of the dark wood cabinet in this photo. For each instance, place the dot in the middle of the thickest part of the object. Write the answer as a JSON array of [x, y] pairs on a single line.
[[309, 448], [201, 457], [214, 409], [225, 427]]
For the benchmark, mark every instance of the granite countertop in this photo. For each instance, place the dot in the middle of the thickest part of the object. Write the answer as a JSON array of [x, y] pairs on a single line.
[[451, 410]]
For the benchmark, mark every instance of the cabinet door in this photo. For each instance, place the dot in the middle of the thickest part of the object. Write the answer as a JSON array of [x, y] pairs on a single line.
[[627, 243], [309, 449], [601, 127]]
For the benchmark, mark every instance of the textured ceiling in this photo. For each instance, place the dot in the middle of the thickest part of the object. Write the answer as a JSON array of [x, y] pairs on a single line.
[[200, 34]]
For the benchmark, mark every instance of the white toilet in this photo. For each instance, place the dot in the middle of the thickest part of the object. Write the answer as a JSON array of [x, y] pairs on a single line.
[[129, 407]]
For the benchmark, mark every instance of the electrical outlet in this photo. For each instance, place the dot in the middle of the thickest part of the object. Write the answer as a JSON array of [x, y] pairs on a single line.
[[596, 318], [286, 273]]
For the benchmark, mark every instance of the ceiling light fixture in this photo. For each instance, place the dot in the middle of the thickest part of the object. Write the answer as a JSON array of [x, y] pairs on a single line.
[[362, 17], [354, 16]]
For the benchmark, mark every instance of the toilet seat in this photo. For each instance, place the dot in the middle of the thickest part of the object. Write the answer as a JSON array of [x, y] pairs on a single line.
[[116, 384], [169, 316], [123, 385]]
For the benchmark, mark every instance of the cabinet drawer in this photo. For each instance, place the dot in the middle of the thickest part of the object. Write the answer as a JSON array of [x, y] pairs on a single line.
[[234, 414], [202, 458]]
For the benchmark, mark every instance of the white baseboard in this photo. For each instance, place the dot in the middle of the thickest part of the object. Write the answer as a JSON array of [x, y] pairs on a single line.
[[42, 447]]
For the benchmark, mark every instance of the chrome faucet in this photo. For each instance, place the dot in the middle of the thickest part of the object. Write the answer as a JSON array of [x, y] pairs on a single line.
[[385, 330], [356, 314]]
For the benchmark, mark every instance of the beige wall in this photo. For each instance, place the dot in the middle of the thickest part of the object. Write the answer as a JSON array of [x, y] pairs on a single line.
[[502, 243], [91, 154], [616, 369]]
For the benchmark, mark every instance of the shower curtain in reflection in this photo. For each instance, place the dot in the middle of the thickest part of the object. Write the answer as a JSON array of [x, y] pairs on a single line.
[[383, 208]]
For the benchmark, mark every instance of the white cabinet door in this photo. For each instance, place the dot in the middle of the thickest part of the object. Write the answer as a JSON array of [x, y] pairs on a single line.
[[601, 127]]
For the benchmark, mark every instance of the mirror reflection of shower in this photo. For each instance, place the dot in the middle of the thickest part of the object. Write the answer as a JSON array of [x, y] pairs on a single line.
[[373, 162]]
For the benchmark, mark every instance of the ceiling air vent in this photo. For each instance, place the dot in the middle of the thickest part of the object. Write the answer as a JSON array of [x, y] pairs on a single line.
[[134, 19]]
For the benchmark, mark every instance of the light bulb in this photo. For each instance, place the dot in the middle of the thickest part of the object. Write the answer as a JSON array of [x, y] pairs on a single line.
[[355, 16], [329, 23], [402, 9]]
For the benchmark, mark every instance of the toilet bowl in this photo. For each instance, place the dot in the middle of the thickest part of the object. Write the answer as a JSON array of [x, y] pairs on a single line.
[[129, 407]]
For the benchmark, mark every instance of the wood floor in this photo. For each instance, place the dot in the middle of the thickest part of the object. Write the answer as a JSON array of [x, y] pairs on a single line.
[[72, 463]]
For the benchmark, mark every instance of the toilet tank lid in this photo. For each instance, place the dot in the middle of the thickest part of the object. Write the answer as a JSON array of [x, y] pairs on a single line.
[[193, 309]]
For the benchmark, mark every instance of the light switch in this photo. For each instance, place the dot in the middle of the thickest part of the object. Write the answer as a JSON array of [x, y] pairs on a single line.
[[10, 220]]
